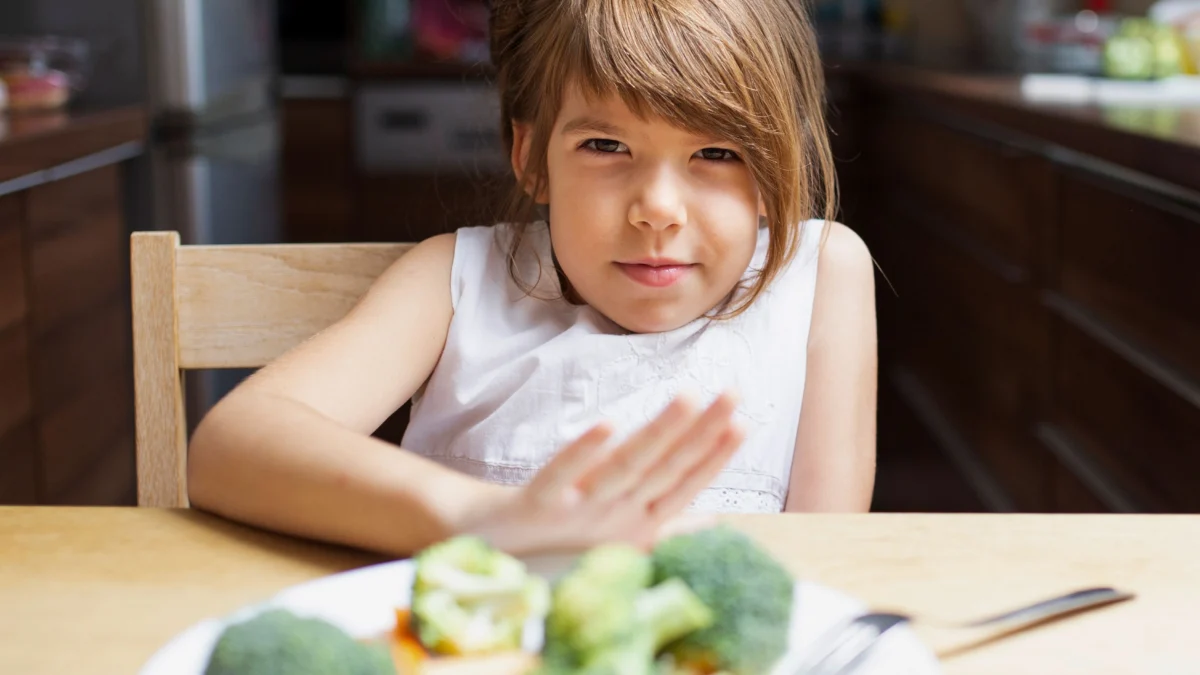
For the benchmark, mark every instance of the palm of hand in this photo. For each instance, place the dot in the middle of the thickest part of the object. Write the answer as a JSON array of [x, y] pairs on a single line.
[[589, 494]]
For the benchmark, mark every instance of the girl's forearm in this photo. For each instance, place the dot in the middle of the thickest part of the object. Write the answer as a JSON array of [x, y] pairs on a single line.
[[275, 463]]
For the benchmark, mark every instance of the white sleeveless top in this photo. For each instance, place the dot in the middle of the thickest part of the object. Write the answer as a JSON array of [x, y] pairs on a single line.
[[521, 376]]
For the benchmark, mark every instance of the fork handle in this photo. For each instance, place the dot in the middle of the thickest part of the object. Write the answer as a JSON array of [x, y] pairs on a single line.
[[1054, 607], [949, 640]]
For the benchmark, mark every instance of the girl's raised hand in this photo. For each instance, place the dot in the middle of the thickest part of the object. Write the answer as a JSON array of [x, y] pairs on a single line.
[[590, 494]]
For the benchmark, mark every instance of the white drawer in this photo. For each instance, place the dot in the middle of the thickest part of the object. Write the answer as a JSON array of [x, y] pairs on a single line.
[[429, 126]]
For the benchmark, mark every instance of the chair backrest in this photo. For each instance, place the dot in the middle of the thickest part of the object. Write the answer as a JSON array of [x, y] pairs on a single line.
[[211, 307]]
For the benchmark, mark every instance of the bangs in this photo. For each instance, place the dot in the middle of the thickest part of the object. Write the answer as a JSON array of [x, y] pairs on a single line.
[[667, 59]]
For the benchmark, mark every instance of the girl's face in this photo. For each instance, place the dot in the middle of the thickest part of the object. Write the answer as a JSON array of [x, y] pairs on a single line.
[[653, 225]]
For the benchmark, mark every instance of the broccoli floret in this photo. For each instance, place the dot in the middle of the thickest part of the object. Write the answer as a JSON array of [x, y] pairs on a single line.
[[277, 642], [605, 618], [470, 598], [670, 610], [749, 593], [632, 655], [594, 604]]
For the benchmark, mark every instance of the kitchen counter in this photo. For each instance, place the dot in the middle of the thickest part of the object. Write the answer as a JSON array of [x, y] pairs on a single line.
[[1162, 142], [33, 144], [1042, 331], [117, 583], [66, 400]]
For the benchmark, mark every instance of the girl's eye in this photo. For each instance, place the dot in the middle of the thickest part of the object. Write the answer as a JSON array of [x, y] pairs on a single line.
[[718, 155], [605, 145]]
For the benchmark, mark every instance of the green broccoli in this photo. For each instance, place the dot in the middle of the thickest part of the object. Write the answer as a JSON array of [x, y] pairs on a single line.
[[594, 604], [671, 610], [469, 598], [749, 593], [605, 618], [277, 642]]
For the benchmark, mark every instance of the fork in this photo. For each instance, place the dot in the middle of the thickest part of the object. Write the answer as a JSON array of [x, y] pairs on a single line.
[[846, 646]]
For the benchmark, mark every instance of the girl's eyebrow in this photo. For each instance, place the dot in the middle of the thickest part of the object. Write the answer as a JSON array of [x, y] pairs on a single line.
[[591, 124]]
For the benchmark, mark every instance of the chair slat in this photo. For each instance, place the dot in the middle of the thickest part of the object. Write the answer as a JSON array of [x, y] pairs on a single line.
[[243, 306]]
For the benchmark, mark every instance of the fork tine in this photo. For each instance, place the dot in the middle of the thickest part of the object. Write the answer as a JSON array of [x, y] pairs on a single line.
[[830, 642], [844, 647], [848, 652]]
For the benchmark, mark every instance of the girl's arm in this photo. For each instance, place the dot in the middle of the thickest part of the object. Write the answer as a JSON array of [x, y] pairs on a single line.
[[290, 448], [834, 464]]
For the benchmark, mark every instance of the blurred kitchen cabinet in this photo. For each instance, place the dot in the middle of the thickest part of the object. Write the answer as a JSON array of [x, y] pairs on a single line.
[[66, 384], [1039, 319], [390, 162], [319, 200], [414, 207], [18, 463], [430, 157], [1127, 367]]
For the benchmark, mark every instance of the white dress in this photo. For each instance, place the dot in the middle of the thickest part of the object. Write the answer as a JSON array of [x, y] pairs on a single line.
[[521, 376]]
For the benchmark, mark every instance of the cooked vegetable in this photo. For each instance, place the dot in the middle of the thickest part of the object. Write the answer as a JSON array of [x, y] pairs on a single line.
[[470, 599], [594, 604], [407, 653], [749, 593], [278, 642], [605, 617]]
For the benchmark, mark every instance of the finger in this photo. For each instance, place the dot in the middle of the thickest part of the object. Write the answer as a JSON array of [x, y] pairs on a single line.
[[625, 466], [570, 464], [681, 495], [690, 450]]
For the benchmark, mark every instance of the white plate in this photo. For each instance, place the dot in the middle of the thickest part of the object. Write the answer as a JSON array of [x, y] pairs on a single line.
[[363, 602]]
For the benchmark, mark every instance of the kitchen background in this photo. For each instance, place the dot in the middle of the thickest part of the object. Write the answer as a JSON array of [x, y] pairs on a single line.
[[1038, 319]]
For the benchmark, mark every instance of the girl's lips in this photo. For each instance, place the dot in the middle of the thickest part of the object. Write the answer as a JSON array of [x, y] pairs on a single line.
[[656, 276]]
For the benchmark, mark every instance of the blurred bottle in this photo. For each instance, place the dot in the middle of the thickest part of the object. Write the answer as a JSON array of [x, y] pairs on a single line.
[[387, 29], [452, 29], [896, 16]]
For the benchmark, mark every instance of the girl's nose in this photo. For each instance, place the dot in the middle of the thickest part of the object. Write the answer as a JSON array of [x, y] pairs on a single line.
[[659, 202]]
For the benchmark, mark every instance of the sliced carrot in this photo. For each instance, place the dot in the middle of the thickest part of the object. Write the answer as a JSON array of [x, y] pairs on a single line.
[[407, 652]]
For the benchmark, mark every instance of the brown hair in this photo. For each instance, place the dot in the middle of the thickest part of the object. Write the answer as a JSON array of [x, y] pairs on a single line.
[[745, 70]]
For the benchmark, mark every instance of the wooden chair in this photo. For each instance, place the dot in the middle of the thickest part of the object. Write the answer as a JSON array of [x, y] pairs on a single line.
[[212, 307]]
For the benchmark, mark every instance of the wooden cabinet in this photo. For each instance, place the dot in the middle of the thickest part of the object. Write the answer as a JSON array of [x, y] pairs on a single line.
[[979, 187], [327, 197], [1041, 307], [319, 203], [972, 338], [66, 397], [402, 207], [1129, 257]]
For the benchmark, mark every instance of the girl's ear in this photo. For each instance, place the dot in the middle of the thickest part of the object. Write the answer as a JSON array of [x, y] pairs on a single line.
[[762, 207], [522, 139], [520, 148]]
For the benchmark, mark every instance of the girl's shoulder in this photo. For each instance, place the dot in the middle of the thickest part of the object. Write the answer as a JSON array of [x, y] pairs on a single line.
[[488, 257], [827, 248], [504, 239], [843, 257]]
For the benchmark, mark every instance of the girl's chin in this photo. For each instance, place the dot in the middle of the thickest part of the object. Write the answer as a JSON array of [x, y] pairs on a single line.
[[643, 319]]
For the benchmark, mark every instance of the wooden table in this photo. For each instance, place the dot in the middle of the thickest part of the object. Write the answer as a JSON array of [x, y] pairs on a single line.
[[98, 590]]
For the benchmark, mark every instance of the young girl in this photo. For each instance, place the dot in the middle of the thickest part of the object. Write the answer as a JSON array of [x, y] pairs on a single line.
[[668, 322]]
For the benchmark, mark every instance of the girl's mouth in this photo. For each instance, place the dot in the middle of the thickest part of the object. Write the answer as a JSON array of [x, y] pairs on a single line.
[[655, 275]]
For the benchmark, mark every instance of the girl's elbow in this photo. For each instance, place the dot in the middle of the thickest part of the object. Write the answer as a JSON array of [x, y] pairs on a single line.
[[205, 460]]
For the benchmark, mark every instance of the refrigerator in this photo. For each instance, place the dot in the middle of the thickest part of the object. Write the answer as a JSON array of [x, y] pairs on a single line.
[[213, 83]]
